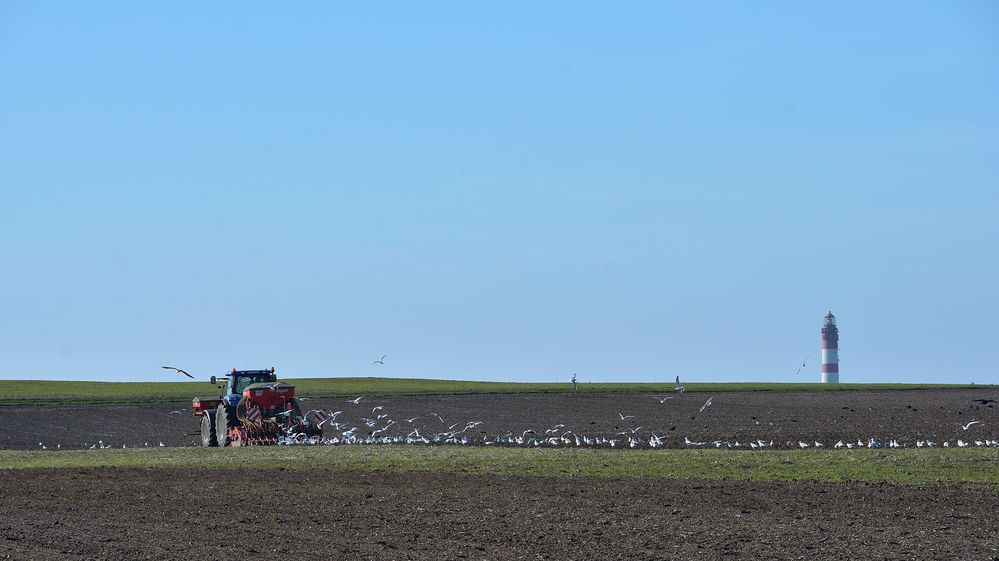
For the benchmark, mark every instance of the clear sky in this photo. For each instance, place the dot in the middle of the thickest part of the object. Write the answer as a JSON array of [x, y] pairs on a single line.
[[512, 191]]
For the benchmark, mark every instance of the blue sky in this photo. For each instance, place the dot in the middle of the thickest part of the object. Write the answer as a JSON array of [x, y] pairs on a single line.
[[504, 192]]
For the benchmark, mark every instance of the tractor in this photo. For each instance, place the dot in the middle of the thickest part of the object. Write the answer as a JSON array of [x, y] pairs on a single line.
[[256, 410]]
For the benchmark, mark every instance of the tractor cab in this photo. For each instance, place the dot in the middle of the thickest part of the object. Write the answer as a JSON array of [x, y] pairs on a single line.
[[239, 380]]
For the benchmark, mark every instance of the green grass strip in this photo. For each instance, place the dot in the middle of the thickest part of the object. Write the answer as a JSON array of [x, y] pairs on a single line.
[[964, 467], [29, 392]]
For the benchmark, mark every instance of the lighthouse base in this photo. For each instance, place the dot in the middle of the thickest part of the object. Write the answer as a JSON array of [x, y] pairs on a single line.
[[830, 377]]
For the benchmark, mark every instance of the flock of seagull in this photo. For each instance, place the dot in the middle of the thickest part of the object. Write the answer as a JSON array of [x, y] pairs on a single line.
[[378, 423]]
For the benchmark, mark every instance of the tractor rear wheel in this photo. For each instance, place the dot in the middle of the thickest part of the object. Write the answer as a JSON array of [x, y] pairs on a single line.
[[225, 418], [208, 433]]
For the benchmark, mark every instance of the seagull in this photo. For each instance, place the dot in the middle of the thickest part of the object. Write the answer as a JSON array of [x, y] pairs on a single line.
[[355, 401], [378, 408], [179, 370], [802, 366], [411, 420], [679, 386], [636, 429], [706, 404], [379, 361], [623, 416], [383, 429], [439, 417], [661, 399], [967, 426], [178, 412]]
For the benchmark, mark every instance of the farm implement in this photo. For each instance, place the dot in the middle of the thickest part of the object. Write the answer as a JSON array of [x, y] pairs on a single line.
[[256, 410]]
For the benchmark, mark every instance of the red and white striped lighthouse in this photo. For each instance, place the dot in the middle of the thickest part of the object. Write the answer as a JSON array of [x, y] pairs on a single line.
[[830, 350]]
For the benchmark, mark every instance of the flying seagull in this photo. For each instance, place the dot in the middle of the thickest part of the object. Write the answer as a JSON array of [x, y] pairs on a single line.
[[379, 361], [623, 416], [706, 404], [179, 370], [355, 401], [679, 386], [661, 399], [802, 366], [968, 426]]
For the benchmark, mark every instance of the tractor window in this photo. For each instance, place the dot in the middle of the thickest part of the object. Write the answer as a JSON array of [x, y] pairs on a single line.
[[244, 381]]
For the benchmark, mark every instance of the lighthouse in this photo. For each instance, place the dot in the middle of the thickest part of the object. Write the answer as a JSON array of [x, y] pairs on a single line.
[[830, 350]]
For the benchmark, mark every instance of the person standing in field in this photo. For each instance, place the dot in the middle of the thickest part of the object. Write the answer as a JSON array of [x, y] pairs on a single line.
[[573, 381]]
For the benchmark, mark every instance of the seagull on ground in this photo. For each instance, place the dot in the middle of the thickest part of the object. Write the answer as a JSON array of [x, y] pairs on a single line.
[[184, 372], [379, 361]]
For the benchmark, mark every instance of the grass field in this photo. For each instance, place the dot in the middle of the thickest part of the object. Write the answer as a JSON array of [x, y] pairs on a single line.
[[968, 467], [19, 392]]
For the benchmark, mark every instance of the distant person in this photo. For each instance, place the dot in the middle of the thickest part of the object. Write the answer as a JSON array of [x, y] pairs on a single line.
[[573, 381]]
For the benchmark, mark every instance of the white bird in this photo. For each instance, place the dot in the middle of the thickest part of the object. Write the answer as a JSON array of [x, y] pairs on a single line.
[[383, 429], [662, 399], [439, 417], [706, 404], [623, 416], [355, 401], [839, 444], [636, 429], [411, 420], [377, 408], [967, 426], [184, 372], [679, 387], [382, 416], [379, 361], [178, 412]]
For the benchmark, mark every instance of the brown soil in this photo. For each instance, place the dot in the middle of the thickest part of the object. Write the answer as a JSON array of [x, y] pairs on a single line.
[[182, 515], [781, 417]]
